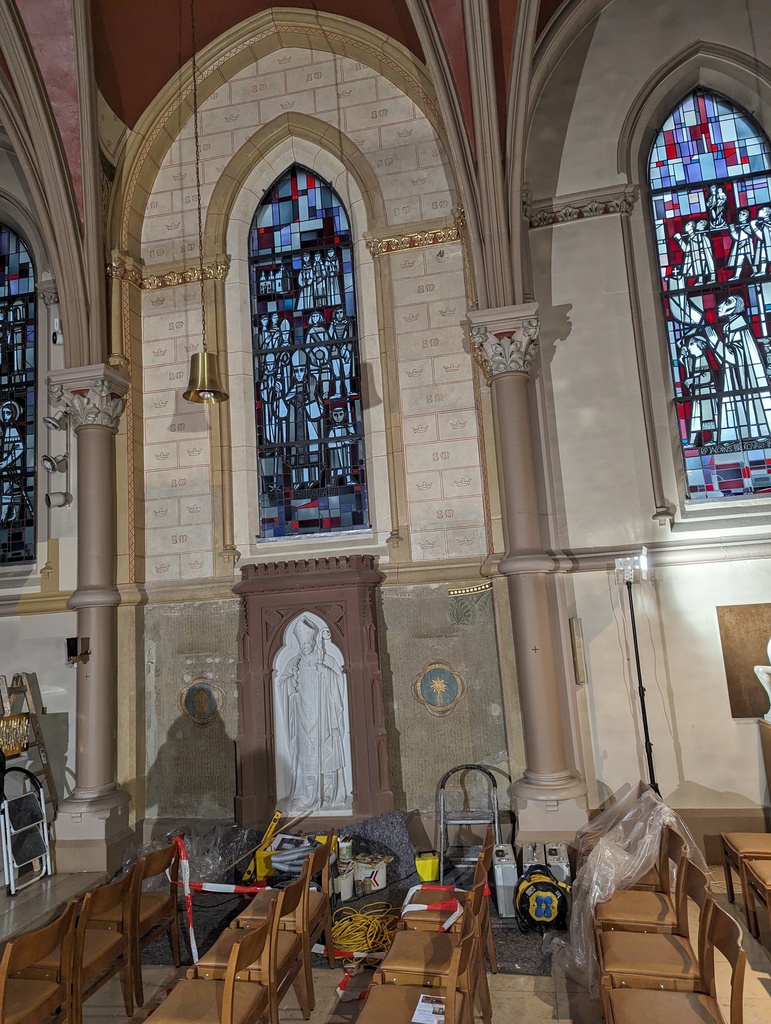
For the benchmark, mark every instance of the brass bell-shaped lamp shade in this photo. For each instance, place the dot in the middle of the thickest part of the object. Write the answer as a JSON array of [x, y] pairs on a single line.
[[204, 384]]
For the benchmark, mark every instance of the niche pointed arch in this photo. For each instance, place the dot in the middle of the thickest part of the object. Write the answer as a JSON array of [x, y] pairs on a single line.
[[709, 175], [308, 405]]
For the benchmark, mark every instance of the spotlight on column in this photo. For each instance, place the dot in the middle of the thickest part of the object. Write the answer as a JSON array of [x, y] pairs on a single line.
[[58, 499], [57, 421], [54, 463]]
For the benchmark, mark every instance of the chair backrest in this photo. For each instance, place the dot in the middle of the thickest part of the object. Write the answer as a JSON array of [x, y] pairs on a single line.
[[31, 947], [158, 862], [253, 946], [673, 850], [289, 901], [692, 884], [459, 977], [725, 934], [98, 902], [318, 862], [486, 853]]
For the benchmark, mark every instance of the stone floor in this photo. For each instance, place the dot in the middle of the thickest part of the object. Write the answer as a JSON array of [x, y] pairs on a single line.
[[521, 998]]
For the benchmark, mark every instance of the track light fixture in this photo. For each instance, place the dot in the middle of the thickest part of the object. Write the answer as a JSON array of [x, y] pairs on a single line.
[[58, 499], [57, 420], [55, 463]]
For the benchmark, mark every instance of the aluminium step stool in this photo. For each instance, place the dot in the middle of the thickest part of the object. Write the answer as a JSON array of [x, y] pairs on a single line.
[[24, 833], [465, 817]]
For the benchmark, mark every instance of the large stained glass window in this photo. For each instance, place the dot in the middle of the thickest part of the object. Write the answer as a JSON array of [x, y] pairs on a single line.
[[310, 435], [711, 194], [17, 401]]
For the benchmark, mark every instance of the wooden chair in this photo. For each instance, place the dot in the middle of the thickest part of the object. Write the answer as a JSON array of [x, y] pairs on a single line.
[[644, 1006], [756, 885], [395, 1004], [657, 959], [636, 910], [423, 958], [235, 999], [102, 951], [285, 961], [432, 920], [736, 847], [154, 912], [319, 910], [31, 993]]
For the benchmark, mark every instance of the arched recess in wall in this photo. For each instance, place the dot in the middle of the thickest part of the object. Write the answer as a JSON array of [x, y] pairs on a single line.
[[747, 83], [148, 149], [287, 140]]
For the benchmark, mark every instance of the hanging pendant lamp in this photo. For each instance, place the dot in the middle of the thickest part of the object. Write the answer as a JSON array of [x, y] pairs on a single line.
[[204, 384]]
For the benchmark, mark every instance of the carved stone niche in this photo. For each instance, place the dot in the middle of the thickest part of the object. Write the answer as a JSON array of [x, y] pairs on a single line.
[[282, 605]]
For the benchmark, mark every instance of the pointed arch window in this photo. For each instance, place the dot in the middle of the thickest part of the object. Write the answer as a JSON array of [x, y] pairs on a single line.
[[17, 400], [711, 196], [310, 434]]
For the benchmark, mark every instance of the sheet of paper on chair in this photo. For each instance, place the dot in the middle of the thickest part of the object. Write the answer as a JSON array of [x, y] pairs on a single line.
[[430, 1010]]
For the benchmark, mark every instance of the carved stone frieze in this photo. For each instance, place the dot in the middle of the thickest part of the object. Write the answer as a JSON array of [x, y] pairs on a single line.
[[504, 340], [166, 275], [580, 205], [420, 239], [90, 395]]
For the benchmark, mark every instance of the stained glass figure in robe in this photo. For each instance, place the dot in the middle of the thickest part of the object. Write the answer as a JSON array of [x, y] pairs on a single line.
[[307, 392], [710, 180]]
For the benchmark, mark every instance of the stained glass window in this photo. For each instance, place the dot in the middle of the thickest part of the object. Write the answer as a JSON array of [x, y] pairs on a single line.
[[17, 400], [711, 195], [310, 435]]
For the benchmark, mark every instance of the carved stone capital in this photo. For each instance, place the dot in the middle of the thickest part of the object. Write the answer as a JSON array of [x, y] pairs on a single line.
[[48, 293], [504, 340], [91, 395]]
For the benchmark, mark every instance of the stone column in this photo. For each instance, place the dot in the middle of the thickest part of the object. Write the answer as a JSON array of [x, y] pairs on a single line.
[[92, 827], [550, 797]]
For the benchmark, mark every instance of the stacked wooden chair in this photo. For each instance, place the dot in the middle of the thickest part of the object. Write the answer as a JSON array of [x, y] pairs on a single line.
[[396, 1003], [433, 919], [240, 996], [284, 963], [650, 968], [36, 973], [748, 854]]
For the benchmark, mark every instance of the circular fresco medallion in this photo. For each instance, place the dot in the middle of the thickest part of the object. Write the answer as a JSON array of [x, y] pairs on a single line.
[[439, 688], [201, 701]]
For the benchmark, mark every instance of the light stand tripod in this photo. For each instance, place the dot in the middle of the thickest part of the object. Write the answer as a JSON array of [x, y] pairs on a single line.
[[628, 566]]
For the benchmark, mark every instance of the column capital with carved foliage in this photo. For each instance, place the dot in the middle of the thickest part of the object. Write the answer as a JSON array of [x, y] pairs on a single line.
[[91, 395], [504, 340]]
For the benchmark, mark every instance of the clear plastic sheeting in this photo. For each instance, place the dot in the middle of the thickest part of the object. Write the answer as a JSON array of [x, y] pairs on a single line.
[[211, 856], [615, 850]]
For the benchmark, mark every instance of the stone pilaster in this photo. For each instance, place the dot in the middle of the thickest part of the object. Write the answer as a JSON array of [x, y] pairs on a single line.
[[92, 827], [550, 797]]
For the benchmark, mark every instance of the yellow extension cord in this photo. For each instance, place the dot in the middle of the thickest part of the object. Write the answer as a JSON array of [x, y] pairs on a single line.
[[368, 930]]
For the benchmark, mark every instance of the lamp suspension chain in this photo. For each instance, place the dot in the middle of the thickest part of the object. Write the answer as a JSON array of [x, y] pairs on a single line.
[[204, 384]]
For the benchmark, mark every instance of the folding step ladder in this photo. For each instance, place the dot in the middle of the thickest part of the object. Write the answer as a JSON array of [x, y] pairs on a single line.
[[24, 832], [465, 817]]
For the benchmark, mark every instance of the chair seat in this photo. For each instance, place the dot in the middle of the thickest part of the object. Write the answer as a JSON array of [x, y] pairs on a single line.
[[760, 870], [632, 1006], [637, 909], [257, 911], [432, 919], [214, 962], [25, 998], [191, 1001], [742, 843], [416, 952], [153, 907], [100, 947], [396, 1003], [654, 955]]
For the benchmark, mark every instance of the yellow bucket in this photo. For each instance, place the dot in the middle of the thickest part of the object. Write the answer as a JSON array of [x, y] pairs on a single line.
[[427, 866]]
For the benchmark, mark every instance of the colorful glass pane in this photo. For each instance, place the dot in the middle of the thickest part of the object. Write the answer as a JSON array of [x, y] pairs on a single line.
[[17, 400], [310, 432], [711, 197]]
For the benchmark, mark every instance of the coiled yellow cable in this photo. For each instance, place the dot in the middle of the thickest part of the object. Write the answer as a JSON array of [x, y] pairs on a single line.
[[369, 929]]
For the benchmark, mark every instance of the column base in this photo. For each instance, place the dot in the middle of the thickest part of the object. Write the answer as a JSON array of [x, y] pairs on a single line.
[[550, 808], [93, 832]]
